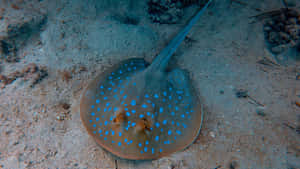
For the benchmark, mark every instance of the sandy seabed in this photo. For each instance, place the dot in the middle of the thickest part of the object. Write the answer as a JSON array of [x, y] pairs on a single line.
[[40, 124]]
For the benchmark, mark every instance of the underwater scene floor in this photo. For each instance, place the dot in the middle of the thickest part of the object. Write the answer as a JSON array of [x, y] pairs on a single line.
[[239, 66]]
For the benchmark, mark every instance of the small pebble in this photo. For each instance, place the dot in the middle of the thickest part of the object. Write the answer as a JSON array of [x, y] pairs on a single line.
[[279, 49], [65, 106], [233, 165], [212, 134], [297, 103], [60, 118], [282, 31], [241, 93], [260, 111]]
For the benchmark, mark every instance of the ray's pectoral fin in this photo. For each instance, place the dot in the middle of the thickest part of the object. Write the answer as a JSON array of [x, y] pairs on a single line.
[[178, 78]]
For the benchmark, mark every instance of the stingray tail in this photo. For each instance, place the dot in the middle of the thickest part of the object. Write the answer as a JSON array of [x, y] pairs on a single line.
[[161, 61]]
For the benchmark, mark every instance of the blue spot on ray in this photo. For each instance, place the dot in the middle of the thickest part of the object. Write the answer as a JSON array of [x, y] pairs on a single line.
[[133, 102], [161, 109], [157, 124], [165, 122]]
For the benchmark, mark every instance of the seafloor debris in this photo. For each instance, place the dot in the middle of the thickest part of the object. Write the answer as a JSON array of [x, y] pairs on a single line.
[[233, 165], [66, 76], [261, 111], [167, 11], [297, 103], [241, 93], [282, 30], [65, 106], [298, 77], [126, 19], [16, 29], [31, 71], [63, 111], [267, 62]]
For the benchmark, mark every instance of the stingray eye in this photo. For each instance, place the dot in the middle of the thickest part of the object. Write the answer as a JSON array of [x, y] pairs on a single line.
[[120, 118], [143, 125], [148, 124]]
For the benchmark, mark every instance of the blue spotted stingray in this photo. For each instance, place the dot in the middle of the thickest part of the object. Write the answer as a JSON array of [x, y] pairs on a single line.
[[138, 110]]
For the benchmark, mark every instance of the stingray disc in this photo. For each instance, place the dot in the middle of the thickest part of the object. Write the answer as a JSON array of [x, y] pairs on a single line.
[[135, 120]]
